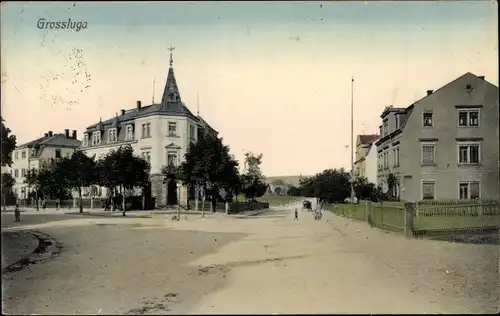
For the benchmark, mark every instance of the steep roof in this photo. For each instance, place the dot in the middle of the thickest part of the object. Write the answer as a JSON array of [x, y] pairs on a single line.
[[367, 139], [171, 105], [56, 140]]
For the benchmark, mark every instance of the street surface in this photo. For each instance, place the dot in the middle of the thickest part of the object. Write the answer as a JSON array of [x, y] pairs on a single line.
[[266, 263]]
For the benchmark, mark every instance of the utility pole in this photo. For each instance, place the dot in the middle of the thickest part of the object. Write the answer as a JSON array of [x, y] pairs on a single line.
[[352, 140], [153, 98]]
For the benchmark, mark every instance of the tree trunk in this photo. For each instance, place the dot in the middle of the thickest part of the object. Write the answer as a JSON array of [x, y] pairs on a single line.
[[80, 201], [196, 195], [214, 200], [37, 204], [143, 198], [203, 203], [178, 202], [122, 189]]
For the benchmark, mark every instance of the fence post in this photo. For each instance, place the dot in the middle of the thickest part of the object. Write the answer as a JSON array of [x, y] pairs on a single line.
[[367, 212], [409, 215], [382, 214]]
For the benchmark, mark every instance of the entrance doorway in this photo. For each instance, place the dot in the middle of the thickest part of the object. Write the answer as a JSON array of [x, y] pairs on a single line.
[[172, 192]]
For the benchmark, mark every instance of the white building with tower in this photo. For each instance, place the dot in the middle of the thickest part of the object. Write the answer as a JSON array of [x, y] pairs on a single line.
[[159, 132]]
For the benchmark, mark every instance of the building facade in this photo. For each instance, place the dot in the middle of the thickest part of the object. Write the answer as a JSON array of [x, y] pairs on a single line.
[[365, 163], [159, 132], [33, 154], [444, 146]]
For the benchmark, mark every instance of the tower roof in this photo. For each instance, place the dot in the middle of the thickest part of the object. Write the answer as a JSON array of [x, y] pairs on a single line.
[[171, 99]]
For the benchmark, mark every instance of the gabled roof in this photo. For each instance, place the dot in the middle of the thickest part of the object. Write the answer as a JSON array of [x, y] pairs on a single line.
[[56, 140], [367, 139], [468, 78]]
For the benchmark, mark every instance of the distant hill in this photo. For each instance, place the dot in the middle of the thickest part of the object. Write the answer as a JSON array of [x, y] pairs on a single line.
[[290, 180]]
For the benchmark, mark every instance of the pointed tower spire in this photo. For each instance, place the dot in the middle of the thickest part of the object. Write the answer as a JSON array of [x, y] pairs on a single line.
[[171, 49], [171, 95]]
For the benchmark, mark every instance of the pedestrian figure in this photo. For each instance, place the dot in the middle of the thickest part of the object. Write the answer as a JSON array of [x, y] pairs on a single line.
[[296, 218], [57, 205], [17, 213]]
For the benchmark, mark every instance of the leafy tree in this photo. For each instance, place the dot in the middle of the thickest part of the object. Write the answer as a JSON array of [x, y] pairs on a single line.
[[209, 164], [392, 183], [49, 181], [294, 191], [77, 172], [7, 184], [331, 185], [8, 145], [54, 181], [364, 189], [121, 168], [253, 182]]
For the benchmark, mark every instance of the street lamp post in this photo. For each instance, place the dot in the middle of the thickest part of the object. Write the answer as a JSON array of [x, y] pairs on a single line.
[[352, 140]]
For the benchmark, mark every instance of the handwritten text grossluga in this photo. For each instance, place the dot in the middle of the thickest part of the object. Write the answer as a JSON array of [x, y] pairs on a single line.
[[44, 24]]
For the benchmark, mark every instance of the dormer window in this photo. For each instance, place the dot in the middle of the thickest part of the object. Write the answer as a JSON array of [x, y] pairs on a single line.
[[397, 121], [96, 138], [112, 135], [85, 139]]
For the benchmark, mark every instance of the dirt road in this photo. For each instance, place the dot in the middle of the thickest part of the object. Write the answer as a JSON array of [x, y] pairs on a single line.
[[262, 264]]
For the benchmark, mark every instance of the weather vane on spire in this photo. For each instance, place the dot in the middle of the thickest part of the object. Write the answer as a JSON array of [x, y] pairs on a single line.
[[171, 49]]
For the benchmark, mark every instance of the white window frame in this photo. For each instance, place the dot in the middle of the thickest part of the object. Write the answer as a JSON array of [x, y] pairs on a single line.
[[422, 145], [146, 130], [16, 173], [432, 119], [96, 138], [146, 155], [169, 152], [468, 111], [193, 129], [23, 154], [129, 132], [468, 188], [16, 155], [174, 125], [113, 131], [422, 188], [396, 156], [385, 127], [469, 144]]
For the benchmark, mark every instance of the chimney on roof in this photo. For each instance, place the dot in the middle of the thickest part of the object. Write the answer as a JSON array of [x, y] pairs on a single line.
[[138, 105], [74, 134], [481, 77], [46, 135], [50, 133], [123, 112], [66, 133], [429, 92]]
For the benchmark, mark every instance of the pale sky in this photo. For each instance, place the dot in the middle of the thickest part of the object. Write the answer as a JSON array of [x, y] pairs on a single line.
[[272, 78]]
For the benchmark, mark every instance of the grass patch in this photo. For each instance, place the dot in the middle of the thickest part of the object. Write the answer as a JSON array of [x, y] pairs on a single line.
[[354, 211], [275, 200]]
